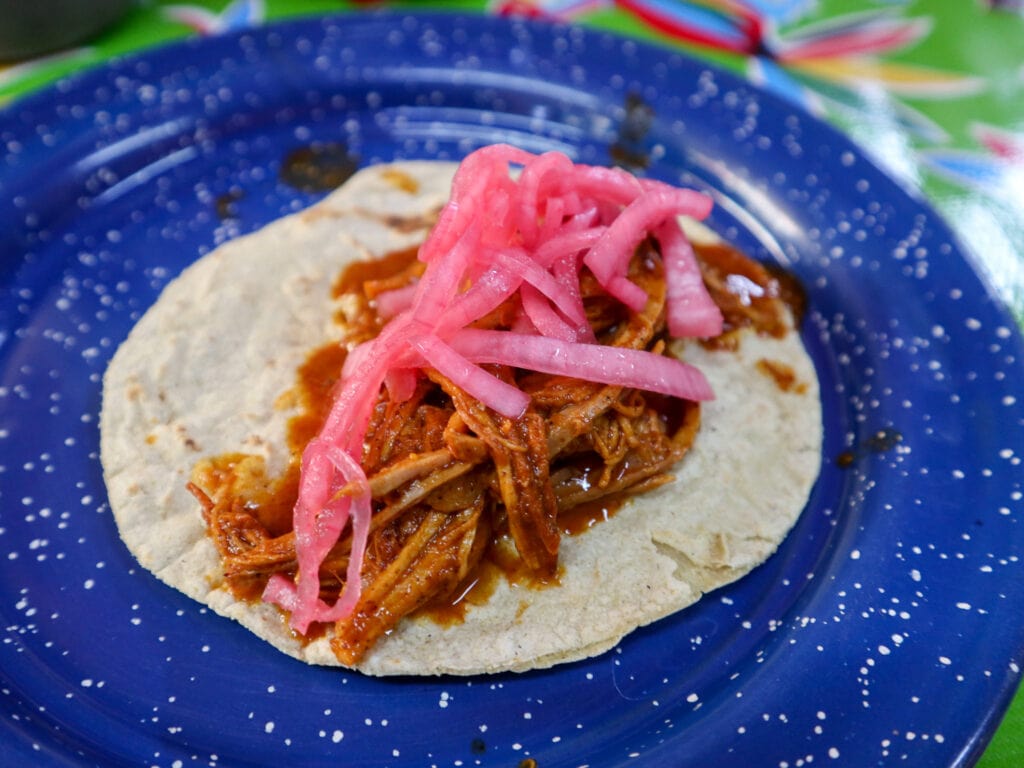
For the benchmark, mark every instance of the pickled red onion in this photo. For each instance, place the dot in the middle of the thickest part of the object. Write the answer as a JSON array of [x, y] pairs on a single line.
[[390, 303], [531, 180], [504, 398], [622, 366], [498, 235], [519, 262], [609, 256], [691, 312], [544, 319]]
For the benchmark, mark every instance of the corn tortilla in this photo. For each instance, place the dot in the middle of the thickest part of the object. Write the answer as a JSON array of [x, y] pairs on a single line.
[[202, 372]]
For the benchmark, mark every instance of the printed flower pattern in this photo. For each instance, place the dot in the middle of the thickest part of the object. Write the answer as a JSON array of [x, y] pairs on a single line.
[[1006, 5], [237, 14], [841, 66], [831, 63], [996, 168]]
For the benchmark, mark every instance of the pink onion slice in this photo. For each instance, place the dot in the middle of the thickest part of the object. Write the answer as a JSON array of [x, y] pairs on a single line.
[[439, 285], [609, 257], [566, 269], [571, 241], [544, 282], [499, 238], [484, 167], [392, 302], [635, 368], [318, 520], [691, 311], [535, 174], [543, 317], [608, 185], [488, 389], [628, 292], [401, 383], [484, 296]]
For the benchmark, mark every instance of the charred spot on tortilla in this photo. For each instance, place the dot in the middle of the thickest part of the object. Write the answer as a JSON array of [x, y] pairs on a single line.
[[782, 374], [486, 529], [402, 223], [400, 180]]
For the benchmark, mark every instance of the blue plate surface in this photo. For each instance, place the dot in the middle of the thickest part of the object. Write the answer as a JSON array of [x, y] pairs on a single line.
[[886, 630]]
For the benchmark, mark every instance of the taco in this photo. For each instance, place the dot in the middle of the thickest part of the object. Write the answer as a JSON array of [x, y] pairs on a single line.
[[520, 475]]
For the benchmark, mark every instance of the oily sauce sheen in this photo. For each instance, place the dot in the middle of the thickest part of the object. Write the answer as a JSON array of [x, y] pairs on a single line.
[[748, 293], [368, 276]]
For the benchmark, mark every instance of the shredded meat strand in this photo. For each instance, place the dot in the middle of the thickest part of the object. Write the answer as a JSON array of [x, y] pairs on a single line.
[[432, 561]]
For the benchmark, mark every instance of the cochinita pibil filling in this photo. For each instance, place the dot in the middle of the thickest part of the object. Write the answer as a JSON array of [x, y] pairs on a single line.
[[507, 383]]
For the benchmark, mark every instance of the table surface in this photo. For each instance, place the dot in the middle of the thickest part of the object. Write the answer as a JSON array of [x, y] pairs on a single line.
[[950, 76]]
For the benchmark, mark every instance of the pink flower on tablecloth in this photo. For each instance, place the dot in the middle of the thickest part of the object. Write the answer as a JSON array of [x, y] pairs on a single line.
[[1005, 5], [996, 168], [238, 14]]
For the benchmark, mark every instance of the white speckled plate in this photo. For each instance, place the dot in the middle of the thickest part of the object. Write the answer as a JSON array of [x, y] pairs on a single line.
[[887, 628]]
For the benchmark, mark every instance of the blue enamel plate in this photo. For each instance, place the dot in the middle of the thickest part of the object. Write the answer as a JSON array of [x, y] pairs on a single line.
[[887, 628]]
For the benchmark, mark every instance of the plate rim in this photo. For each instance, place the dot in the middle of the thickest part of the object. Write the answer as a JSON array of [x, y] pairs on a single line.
[[100, 72]]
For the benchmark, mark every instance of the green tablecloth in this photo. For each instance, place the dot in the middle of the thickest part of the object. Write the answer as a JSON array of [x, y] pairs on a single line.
[[933, 90]]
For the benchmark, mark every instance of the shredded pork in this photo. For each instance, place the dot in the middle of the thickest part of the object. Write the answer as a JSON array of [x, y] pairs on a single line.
[[481, 436], [449, 476]]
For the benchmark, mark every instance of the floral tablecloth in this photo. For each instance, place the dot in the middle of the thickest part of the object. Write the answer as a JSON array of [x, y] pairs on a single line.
[[933, 90]]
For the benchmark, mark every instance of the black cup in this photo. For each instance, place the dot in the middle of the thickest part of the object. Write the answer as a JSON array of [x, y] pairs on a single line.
[[31, 28]]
